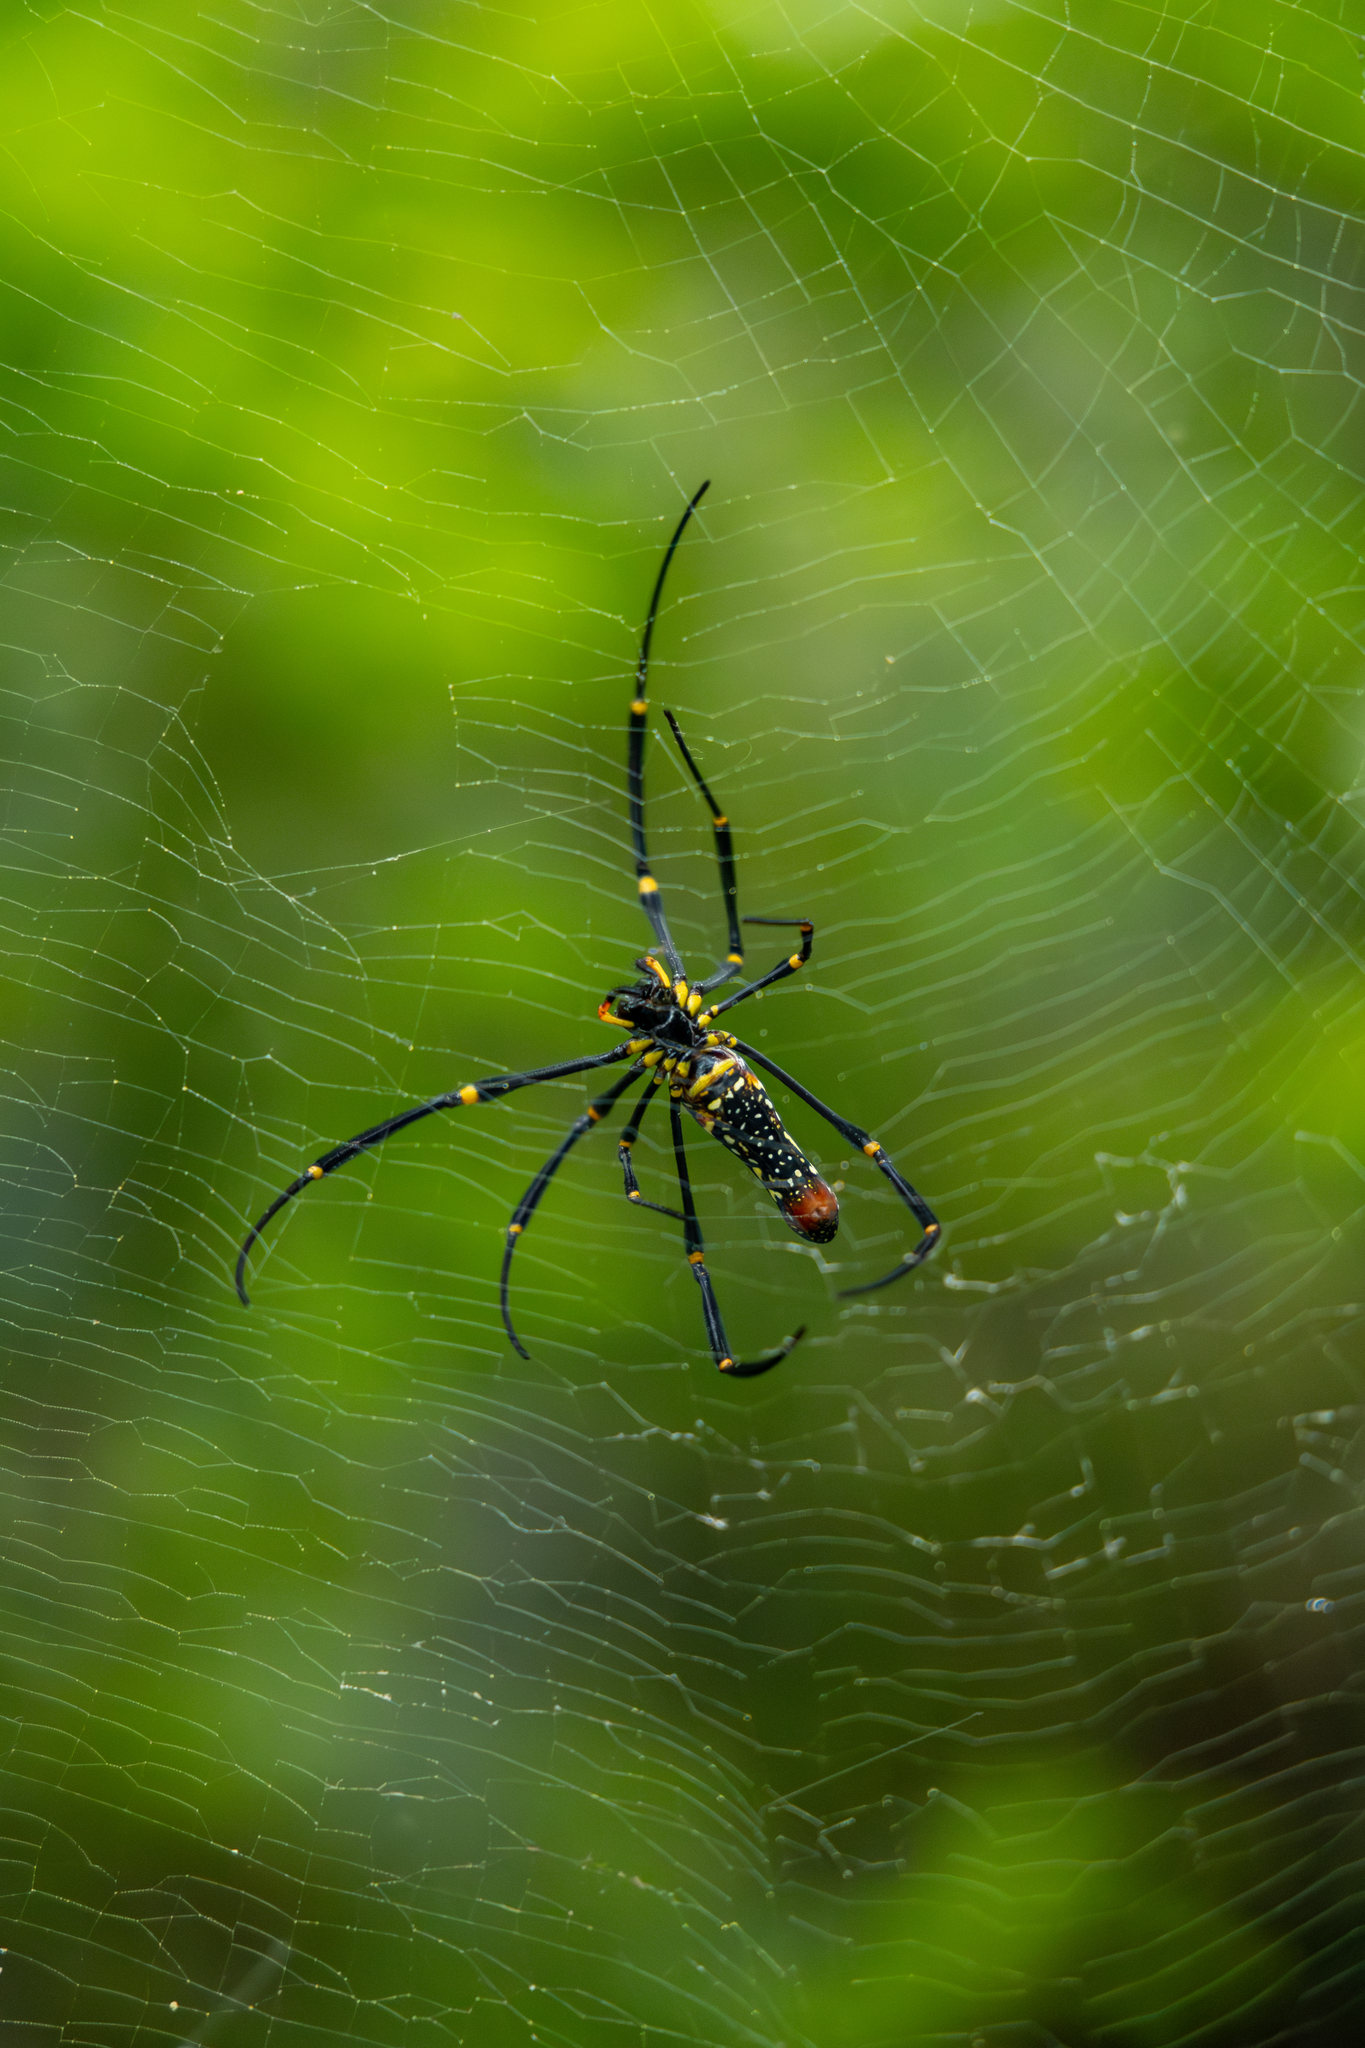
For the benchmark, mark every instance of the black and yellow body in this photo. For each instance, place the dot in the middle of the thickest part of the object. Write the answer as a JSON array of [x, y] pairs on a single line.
[[709, 1078], [674, 1042], [729, 1101]]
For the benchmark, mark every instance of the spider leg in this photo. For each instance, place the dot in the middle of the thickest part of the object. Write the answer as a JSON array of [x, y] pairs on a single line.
[[650, 898], [725, 860], [929, 1224], [530, 1201], [692, 1239], [623, 1149], [791, 965], [487, 1090]]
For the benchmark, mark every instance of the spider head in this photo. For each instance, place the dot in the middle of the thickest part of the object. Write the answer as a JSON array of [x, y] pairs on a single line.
[[651, 1009], [642, 1004]]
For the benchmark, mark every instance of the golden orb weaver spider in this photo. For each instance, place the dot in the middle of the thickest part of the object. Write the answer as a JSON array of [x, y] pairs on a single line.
[[674, 1039]]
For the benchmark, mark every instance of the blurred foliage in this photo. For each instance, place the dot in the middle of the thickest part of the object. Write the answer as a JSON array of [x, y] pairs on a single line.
[[986, 1674]]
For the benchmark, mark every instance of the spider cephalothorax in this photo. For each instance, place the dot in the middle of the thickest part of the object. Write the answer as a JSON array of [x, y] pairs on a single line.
[[656, 1008], [675, 1043]]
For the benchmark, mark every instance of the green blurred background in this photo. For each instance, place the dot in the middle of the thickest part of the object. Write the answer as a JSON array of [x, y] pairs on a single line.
[[991, 1672]]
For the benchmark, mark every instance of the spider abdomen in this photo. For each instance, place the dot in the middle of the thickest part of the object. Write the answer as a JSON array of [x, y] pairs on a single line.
[[727, 1099], [813, 1211]]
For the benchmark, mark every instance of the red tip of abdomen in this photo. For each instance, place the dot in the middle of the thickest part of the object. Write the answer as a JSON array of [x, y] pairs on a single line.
[[813, 1212]]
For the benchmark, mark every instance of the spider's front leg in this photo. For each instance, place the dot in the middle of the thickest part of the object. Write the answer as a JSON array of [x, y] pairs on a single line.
[[487, 1090], [530, 1201], [625, 1145], [692, 1239]]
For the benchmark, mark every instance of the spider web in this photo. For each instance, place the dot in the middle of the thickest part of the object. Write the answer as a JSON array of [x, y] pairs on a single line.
[[991, 1671]]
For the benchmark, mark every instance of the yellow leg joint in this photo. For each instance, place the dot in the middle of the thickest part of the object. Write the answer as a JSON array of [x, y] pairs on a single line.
[[694, 1002], [648, 886], [696, 1258], [315, 1173], [639, 707], [469, 1095], [872, 1148]]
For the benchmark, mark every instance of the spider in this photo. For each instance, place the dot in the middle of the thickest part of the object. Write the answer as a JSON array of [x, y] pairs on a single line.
[[674, 1037]]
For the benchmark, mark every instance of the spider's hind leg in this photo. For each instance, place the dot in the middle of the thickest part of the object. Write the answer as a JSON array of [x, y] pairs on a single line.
[[931, 1230], [791, 965]]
